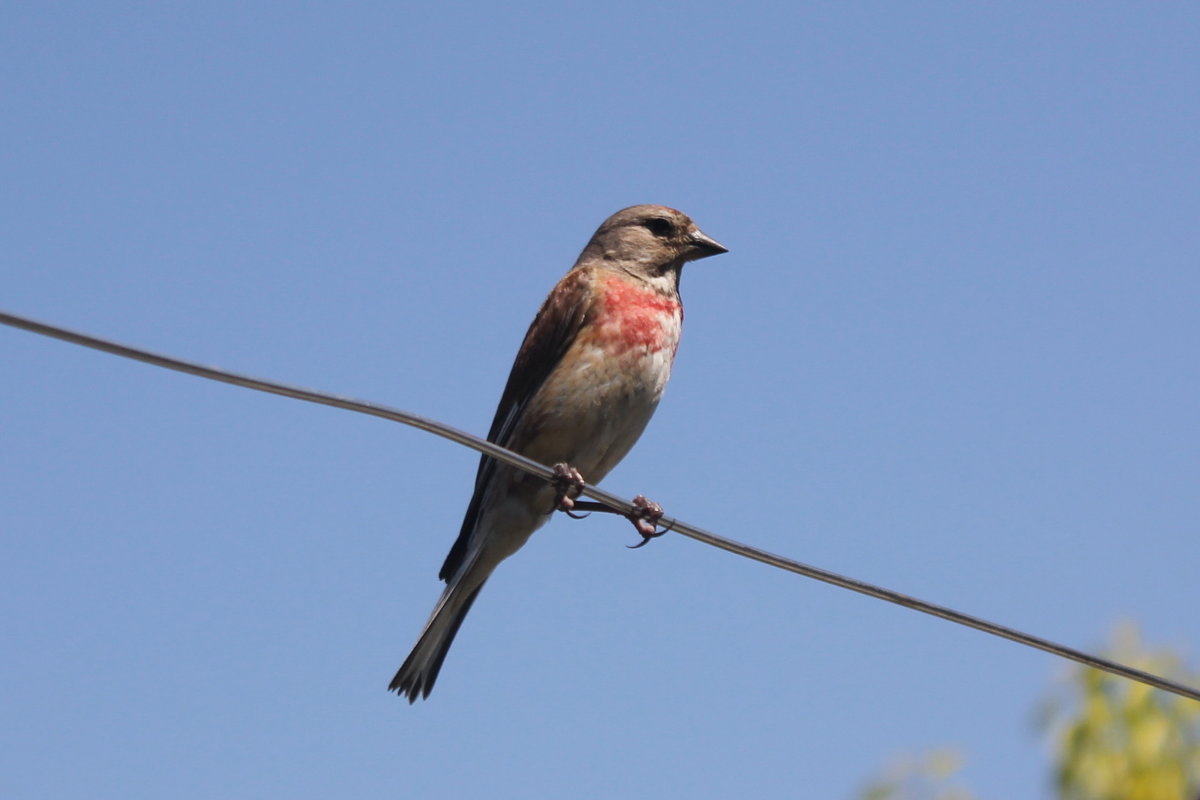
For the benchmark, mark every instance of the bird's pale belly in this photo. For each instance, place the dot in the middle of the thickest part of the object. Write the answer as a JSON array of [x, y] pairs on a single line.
[[597, 402], [592, 414]]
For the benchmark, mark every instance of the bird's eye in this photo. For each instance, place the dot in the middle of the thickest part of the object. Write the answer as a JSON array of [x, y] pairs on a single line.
[[658, 226]]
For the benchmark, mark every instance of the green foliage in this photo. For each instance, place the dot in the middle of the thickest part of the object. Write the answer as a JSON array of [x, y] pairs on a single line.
[[1114, 739], [925, 777], [1111, 738]]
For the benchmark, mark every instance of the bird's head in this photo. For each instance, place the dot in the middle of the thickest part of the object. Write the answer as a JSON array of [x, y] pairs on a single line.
[[649, 241]]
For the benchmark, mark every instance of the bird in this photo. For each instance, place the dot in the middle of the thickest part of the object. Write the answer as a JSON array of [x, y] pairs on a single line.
[[585, 382]]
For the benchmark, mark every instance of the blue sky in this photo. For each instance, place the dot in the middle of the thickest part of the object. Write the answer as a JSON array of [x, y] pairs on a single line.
[[952, 350]]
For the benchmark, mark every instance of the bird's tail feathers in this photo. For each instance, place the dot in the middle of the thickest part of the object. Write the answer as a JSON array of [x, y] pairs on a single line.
[[417, 674]]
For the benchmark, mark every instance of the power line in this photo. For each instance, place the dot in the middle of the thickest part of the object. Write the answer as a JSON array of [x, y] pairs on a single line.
[[618, 504]]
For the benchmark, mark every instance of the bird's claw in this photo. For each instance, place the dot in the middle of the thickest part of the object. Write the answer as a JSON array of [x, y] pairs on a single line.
[[568, 482], [645, 517]]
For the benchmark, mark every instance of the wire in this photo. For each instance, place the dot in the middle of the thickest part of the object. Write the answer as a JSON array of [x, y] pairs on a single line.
[[612, 501]]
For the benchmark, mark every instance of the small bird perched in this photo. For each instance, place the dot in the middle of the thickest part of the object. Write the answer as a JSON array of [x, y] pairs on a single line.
[[585, 382]]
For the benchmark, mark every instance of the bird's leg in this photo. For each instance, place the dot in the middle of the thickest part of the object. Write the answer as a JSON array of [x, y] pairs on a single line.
[[645, 517], [567, 485]]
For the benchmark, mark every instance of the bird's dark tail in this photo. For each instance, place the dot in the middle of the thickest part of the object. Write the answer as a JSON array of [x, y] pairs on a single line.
[[419, 671]]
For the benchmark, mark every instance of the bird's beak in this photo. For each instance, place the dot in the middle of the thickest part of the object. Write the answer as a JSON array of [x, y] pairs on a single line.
[[702, 245]]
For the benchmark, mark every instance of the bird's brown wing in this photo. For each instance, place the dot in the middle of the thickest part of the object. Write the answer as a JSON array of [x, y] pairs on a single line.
[[549, 336]]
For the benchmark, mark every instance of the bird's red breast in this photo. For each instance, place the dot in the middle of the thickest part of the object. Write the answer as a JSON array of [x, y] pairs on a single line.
[[631, 316]]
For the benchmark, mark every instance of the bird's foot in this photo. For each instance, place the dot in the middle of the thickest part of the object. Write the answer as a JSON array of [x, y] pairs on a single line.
[[645, 517], [568, 482]]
